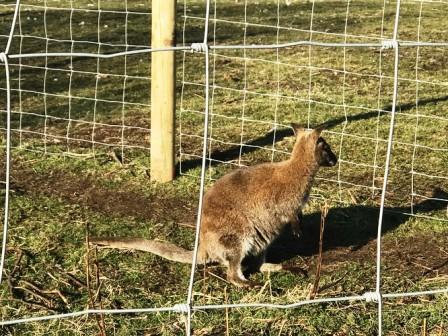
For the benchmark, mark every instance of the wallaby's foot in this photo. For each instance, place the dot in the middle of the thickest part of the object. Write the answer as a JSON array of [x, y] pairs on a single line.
[[241, 282], [236, 277], [268, 267], [234, 272]]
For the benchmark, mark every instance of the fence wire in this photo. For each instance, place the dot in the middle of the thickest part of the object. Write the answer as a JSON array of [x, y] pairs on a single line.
[[211, 50]]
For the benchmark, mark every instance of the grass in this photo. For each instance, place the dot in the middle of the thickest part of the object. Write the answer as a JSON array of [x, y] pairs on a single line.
[[58, 199]]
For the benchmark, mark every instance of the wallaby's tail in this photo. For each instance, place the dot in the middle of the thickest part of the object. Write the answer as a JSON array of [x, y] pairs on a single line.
[[165, 250]]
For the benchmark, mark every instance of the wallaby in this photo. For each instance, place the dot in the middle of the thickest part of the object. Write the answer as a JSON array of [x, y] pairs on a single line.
[[245, 210]]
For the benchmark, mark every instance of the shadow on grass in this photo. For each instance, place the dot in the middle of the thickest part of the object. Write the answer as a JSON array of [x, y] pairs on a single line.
[[351, 227], [278, 135]]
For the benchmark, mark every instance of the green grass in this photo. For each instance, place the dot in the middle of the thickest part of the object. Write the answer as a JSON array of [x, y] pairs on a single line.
[[58, 199]]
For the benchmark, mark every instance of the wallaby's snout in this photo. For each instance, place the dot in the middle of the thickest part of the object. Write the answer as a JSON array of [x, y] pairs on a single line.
[[309, 140], [324, 154]]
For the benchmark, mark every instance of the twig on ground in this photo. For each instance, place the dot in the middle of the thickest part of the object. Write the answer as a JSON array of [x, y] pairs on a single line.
[[435, 268], [441, 329], [28, 287], [420, 265], [36, 294], [51, 275], [89, 289], [98, 292], [424, 328], [281, 327], [43, 291], [58, 293], [75, 280], [32, 304], [315, 288], [334, 283], [9, 280], [88, 266], [227, 311], [188, 225]]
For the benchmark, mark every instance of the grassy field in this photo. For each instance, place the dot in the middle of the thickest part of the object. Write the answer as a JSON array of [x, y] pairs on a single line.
[[81, 166]]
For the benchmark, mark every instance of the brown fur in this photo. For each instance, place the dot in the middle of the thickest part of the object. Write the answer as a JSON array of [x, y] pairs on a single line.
[[246, 209]]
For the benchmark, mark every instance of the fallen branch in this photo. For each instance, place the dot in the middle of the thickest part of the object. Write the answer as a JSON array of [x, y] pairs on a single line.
[[35, 293], [10, 278], [75, 280], [435, 268], [45, 292], [188, 225], [332, 284], [32, 304]]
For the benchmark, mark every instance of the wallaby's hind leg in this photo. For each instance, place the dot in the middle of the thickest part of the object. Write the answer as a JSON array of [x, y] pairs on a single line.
[[233, 256], [234, 272]]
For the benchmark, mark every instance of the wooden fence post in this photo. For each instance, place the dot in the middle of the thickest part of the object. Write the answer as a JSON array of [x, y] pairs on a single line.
[[163, 91]]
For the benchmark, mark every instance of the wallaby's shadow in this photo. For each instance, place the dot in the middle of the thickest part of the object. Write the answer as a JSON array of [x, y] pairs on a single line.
[[352, 227]]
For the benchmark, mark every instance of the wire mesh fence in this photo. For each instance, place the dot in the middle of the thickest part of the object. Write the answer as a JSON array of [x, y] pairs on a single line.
[[373, 72]]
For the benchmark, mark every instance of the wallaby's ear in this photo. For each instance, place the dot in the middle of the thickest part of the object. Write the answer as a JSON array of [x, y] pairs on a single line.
[[297, 128], [318, 129]]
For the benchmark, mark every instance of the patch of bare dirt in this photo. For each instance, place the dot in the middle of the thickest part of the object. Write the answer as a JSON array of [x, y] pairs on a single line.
[[88, 191], [422, 256]]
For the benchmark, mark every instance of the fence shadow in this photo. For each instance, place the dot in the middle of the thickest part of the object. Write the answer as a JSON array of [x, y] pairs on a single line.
[[349, 227], [278, 135]]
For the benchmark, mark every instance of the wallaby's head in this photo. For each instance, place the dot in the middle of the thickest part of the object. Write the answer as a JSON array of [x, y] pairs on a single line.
[[311, 145]]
